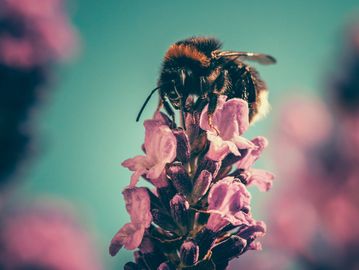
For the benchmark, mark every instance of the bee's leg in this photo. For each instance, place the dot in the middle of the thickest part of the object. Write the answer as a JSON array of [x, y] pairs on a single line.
[[183, 116], [212, 105], [202, 100], [182, 106], [160, 104], [169, 111]]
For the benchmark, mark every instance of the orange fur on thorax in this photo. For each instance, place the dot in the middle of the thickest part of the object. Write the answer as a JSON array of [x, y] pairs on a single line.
[[182, 50]]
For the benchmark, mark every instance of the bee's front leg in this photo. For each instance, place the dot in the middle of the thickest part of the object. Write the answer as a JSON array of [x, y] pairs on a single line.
[[169, 111]]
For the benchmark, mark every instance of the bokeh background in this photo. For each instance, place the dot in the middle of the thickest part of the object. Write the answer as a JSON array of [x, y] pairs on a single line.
[[87, 126]]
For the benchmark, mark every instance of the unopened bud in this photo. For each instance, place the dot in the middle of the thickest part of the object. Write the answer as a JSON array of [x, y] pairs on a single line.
[[130, 266], [179, 210], [189, 253], [180, 178], [209, 165], [228, 249], [183, 147], [204, 240], [166, 266], [201, 185]]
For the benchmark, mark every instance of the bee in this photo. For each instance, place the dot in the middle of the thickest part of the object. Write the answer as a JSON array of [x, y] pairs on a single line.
[[197, 67]]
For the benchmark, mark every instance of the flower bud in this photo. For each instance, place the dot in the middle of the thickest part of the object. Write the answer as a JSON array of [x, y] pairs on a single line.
[[230, 159], [209, 165], [228, 249], [180, 178], [179, 210], [183, 147], [189, 253], [130, 266], [201, 185], [166, 266], [204, 240]]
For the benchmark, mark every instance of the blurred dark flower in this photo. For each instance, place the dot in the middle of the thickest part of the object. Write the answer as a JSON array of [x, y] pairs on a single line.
[[33, 36], [198, 216], [344, 84]]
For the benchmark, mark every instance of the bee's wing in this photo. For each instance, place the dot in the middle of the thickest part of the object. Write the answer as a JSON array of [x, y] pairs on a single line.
[[261, 58]]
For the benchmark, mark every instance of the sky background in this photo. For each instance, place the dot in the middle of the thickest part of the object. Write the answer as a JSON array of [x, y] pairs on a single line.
[[88, 126]]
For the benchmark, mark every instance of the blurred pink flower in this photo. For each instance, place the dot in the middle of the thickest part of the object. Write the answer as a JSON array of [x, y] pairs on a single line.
[[35, 33], [305, 121], [230, 120], [160, 147], [131, 234], [43, 237]]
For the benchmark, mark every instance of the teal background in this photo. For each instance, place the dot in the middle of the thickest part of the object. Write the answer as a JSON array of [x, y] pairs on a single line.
[[88, 126]]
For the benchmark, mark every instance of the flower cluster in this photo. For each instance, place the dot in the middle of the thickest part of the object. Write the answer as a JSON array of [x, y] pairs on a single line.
[[198, 216]]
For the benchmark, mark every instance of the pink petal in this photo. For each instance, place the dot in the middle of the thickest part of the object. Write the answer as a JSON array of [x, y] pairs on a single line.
[[152, 133], [243, 143], [230, 120], [218, 149], [156, 171], [234, 118], [167, 144], [203, 121], [136, 176], [227, 191], [161, 181], [260, 178], [216, 222], [138, 206], [230, 117], [162, 118], [247, 161], [137, 164], [133, 164], [160, 147], [129, 236]]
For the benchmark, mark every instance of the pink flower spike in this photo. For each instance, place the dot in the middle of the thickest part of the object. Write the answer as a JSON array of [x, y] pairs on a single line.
[[231, 120], [160, 145], [131, 234], [261, 178]]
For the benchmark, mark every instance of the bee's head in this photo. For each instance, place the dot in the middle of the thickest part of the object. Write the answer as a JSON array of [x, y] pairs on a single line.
[[185, 63]]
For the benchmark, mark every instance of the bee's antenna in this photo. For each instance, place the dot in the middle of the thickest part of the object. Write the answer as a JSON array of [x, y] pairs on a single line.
[[146, 101]]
